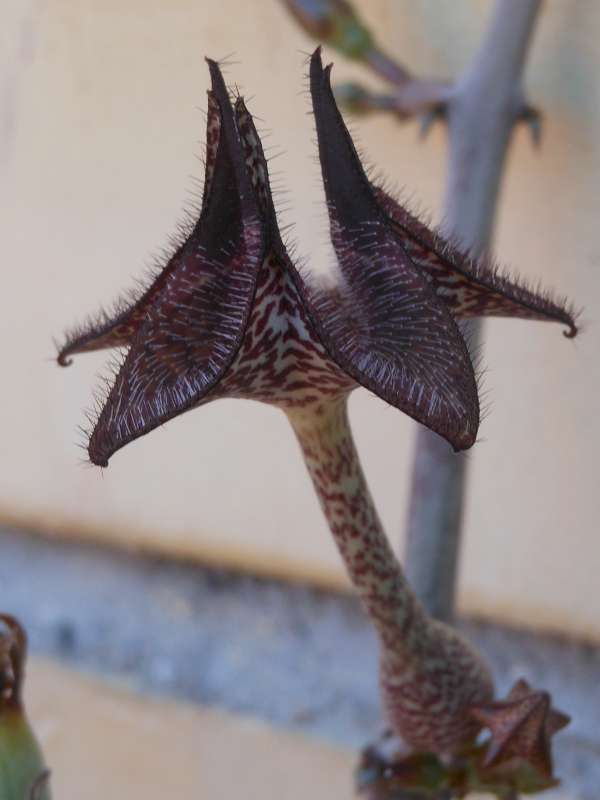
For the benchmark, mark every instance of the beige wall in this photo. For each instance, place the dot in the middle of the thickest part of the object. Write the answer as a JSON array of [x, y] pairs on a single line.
[[142, 748], [100, 126]]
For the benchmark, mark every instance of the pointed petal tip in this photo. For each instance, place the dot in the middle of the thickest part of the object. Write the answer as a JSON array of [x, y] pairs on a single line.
[[316, 68], [213, 65], [100, 449], [465, 443], [97, 460], [318, 72], [218, 82]]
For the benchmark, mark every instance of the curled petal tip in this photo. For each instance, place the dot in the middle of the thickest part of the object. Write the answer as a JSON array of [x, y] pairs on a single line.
[[63, 352]]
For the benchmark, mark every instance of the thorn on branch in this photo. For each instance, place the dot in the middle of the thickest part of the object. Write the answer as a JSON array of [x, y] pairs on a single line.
[[533, 118], [428, 119]]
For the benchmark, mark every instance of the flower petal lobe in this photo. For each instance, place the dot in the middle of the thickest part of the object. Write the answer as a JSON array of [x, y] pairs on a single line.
[[200, 307], [385, 324]]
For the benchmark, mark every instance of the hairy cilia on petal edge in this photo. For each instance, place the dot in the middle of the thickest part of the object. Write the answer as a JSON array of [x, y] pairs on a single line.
[[361, 211]]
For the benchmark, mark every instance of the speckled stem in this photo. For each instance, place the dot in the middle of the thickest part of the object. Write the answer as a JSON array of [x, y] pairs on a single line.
[[429, 675], [326, 440]]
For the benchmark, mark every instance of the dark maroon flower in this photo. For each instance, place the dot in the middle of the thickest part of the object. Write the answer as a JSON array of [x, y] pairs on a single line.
[[230, 315]]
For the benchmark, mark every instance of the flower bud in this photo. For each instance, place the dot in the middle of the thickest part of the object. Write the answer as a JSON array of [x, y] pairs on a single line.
[[23, 774]]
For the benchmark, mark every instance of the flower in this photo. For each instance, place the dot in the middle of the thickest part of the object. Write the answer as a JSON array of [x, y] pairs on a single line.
[[230, 315]]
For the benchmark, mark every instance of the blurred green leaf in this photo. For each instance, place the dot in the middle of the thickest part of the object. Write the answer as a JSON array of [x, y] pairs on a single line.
[[334, 22], [23, 773]]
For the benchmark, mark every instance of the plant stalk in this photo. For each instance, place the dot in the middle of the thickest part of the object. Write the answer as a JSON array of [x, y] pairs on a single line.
[[429, 675]]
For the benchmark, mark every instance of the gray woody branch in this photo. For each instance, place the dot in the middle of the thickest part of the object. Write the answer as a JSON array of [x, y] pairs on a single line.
[[481, 116]]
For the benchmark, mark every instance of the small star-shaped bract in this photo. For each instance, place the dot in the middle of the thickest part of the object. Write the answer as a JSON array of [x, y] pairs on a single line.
[[521, 728], [230, 314]]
